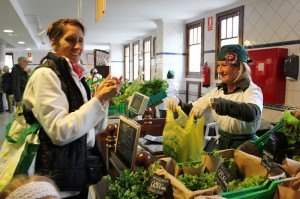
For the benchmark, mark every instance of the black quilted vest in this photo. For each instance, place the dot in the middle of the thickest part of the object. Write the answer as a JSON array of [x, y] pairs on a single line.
[[71, 166]]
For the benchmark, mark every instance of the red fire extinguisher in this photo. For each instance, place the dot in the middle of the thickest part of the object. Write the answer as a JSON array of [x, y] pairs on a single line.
[[206, 75]]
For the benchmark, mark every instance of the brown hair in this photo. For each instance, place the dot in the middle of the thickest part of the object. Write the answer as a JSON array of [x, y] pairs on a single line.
[[21, 180], [57, 29]]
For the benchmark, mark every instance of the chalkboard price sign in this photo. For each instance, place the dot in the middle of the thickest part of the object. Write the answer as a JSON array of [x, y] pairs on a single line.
[[158, 185], [267, 160], [127, 140], [222, 177]]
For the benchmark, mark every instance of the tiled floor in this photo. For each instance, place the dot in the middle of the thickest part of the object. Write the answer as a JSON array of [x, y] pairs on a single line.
[[4, 120]]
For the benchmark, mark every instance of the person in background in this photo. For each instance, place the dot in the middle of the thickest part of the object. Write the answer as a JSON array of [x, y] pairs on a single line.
[[19, 78], [30, 187], [172, 91], [95, 76], [1, 94], [60, 100], [6, 82], [236, 104]]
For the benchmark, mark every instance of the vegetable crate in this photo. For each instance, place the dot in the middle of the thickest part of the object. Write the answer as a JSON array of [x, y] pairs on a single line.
[[262, 140], [117, 110], [154, 99], [264, 191]]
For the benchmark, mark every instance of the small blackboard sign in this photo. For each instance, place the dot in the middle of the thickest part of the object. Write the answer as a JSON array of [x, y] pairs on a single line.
[[267, 160], [222, 177], [158, 185], [127, 140]]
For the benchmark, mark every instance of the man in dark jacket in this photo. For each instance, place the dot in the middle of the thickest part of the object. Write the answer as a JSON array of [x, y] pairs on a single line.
[[19, 78]]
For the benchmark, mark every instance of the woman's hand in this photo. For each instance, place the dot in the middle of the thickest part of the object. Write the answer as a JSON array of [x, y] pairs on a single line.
[[109, 88], [199, 108], [172, 103]]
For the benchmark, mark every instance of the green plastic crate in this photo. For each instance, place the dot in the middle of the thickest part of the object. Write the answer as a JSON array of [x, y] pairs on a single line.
[[154, 99], [120, 109], [264, 191], [262, 140]]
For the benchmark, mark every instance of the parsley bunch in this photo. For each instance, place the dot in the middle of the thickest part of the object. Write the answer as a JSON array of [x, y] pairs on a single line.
[[131, 184], [153, 86], [195, 182], [247, 182]]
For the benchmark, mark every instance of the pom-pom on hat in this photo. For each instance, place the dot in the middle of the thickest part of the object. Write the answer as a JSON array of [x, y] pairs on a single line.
[[170, 74], [233, 53]]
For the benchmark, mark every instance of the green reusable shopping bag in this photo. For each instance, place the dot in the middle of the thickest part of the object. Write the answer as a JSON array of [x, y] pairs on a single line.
[[183, 137], [19, 147]]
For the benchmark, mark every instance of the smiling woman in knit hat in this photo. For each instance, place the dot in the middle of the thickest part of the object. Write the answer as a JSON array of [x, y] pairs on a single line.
[[236, 103]]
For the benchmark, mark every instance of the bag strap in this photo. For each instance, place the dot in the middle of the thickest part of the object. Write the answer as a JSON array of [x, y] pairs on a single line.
[[31, 130]]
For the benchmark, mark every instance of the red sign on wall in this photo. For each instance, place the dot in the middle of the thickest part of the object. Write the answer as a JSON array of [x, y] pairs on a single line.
[[210, 22]]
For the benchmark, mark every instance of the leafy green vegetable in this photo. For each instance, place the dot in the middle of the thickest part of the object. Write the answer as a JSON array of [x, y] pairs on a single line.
[[195, 182], [231, 167], [247, 182], [131, 184], [127, 92], [212, 153], [291, 128], [153, 86], [194, 164]]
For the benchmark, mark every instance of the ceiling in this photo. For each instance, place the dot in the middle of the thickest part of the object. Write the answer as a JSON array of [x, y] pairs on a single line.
[[123, 21]]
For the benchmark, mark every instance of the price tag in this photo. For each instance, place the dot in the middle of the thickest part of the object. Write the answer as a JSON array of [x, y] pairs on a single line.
[[223, 177], [158, 185], [267, 160]]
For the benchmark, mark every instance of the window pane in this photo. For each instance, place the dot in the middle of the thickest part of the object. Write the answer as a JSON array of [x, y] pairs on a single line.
[[9, 61], [127, 68], [223, 29], [195, 36], [191, 36], [147, 60], [135, 61], [194, 58], [199, 35], [229, 41], [127, 71], [147, 71], [235, 26], [229, 27]]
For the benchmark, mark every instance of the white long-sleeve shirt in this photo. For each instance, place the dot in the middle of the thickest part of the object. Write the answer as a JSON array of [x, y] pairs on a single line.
[[172, 91], [49, 104]]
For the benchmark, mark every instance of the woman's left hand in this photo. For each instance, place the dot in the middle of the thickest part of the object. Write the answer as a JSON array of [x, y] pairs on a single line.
[[109, 88]]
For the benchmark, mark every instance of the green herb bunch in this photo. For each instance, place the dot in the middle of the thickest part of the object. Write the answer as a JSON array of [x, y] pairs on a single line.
[[195, 182], [212, 153], [127, 91], [131, 184], [291, 128], [254, 180], [231, 167], [153, 86], [193, 164]]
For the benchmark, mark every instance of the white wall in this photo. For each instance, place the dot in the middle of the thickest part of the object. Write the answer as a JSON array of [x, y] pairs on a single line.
[[265, 22]]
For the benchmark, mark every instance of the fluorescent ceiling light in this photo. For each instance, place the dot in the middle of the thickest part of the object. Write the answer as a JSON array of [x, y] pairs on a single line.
[[28, 49], [21, 42], [8, 31]]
